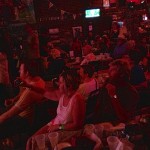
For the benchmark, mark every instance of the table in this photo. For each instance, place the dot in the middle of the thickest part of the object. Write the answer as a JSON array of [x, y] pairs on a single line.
[[78, 137]]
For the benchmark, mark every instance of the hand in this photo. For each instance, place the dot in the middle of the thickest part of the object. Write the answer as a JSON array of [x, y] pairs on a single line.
[[111, 89], [53, 128]]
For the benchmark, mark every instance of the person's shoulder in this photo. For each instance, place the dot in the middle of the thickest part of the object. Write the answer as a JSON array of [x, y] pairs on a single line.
[[79, 97], [38, 80]]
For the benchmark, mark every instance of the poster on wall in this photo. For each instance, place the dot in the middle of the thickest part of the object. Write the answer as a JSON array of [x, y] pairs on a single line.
[[20, 10], [24, 10], [76, 31]]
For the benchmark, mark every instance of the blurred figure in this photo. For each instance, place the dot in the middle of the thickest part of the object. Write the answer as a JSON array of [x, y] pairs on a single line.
[[55, 64], [120, 48], [86, 48], [18, 116], [71, 107], [77, 47], [31, 44], [88, 82], [119, 99], [137, 77]]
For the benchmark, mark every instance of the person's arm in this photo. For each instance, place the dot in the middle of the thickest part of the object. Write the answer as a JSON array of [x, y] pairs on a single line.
[[78, 114], [141, 85], [38, 87], [52, 94], [10, 113]]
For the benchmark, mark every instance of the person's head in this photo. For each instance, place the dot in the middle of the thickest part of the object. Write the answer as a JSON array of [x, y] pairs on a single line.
[[86, 71], [55, 53], [121, 39], [69, 80], [29, 68], [119, 70]]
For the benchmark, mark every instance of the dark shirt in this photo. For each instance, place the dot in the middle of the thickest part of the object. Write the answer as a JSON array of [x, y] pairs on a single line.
[[128, 97], [137, 75], [120, 50]]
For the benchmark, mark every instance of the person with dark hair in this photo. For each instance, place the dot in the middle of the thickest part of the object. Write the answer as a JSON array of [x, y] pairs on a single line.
[[137, 76], [18, 116], [123, 95], [118, 99], [71, 107], [89, 83]]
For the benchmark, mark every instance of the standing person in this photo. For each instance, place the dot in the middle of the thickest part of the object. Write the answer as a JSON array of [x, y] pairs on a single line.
[[77, 47], [71, 107], [120, 49], [19, 115], [32, 43]]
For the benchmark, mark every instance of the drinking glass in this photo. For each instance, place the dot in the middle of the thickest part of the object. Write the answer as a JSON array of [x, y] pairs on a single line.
[[113, 142], [53, 137], [40, 140]]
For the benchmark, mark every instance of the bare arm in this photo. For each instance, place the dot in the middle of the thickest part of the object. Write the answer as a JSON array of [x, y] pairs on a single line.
[[52, 94], [10, 113], [78, 114]]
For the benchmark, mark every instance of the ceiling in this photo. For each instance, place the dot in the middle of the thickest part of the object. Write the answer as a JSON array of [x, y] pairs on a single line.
[[71, 5]]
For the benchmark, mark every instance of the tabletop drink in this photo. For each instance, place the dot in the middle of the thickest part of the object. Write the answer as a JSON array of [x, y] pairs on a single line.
[[40, 140], [113, 142], [53, 138]]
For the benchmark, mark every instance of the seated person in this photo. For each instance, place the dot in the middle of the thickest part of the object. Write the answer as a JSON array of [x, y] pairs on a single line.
[[56, 64], [120, 48], [88, 82], [137, 76], [71, 107], [19, 116], [86, 48], [121, 98], [145, 64]]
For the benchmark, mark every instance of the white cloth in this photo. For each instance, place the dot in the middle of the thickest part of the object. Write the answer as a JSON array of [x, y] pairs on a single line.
[[4, 74], [64, 113], [86, 88]]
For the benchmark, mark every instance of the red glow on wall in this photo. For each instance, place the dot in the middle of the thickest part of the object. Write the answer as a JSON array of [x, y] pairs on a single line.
[[135, 1]]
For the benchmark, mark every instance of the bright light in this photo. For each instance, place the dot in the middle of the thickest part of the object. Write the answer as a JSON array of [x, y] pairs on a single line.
[[142, 1]]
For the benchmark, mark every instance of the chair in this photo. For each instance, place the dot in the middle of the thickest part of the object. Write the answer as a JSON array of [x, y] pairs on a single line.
[[91, 105]]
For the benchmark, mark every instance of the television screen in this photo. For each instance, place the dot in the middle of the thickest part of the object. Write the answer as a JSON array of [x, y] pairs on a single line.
[[90, 13]]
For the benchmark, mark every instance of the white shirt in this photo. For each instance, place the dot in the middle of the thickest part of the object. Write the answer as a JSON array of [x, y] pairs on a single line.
[[86, 88]]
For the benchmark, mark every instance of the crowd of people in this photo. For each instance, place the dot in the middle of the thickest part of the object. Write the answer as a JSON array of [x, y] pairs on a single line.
[[128, 78]]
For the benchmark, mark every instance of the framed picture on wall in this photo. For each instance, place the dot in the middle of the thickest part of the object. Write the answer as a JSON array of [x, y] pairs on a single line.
[[76, 31]]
